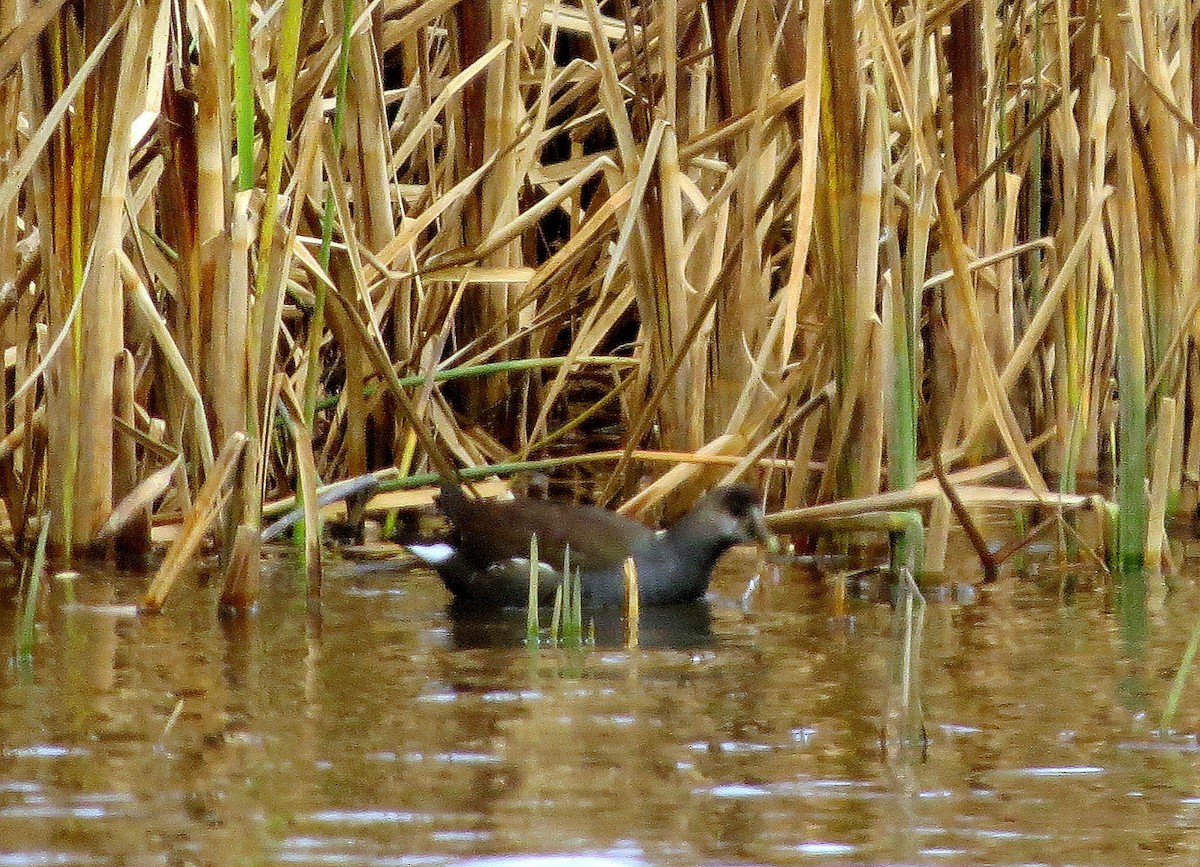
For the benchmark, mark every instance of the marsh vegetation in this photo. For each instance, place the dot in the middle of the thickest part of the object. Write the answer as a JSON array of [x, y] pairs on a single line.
[[253, 249]]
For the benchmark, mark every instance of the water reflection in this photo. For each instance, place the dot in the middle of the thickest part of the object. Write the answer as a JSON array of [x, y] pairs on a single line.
[[681, 627], [749, 729]]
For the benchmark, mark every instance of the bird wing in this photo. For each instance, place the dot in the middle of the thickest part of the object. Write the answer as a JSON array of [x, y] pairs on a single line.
[[490, 531]]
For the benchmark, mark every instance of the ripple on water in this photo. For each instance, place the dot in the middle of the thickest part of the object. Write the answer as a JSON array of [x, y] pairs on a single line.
[[735, 790], [821, 849], [318, 852], [369, 817], [47, 858], [552, 861], [382, 742], [1050, 772], [45, 751], [498, 696], [60, 812]]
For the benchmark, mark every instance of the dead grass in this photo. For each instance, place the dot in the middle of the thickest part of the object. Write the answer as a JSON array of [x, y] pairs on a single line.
[[796, 222]]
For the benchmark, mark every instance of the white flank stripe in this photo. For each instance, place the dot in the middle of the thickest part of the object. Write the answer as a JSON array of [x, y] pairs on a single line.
[[434, 552]]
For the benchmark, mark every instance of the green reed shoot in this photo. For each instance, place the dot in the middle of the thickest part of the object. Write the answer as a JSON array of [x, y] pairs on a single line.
[[572, 621], [26, 634], [566, 623], [243, 94]]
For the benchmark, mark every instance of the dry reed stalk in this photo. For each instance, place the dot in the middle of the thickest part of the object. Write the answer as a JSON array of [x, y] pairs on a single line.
[[135, 535], [133, 511], [100, 315], [937, 538], [147, 316], [683, 473], [1049, 308], [231, 326], [369, 182], [690, 381], [632, 603], [920, 492], [222, 228], [795, 520], [662, 305], [998, 402], [52, 181], [741, 224], [764, 439], [50, 119], [239, 593], [1192, 465], [10, 224], [306, 465], [1160, 483], [735, 196], [843, 142], [203, 514], [18, 435]]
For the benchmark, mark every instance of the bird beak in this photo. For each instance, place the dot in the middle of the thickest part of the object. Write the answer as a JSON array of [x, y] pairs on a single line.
[[758, 526]]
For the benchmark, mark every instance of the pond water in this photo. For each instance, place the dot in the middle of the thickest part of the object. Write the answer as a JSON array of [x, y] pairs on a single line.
[[766, 727]]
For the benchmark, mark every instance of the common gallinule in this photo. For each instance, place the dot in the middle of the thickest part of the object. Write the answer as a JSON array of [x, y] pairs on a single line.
[[487, 562]]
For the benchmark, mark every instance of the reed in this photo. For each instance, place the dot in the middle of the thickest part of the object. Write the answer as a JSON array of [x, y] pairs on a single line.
[[26, 633], [903, 732], [1180, 681], [439, 226], [532, 626], [632, 603]]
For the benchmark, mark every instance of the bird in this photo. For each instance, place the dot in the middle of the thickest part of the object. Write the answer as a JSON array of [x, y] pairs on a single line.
[[487, 560]]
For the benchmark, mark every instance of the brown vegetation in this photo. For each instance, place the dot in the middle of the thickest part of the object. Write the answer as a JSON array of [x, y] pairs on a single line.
[[737, 231]]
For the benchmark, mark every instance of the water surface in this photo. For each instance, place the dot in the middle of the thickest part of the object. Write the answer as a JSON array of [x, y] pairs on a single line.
[[767, 727]]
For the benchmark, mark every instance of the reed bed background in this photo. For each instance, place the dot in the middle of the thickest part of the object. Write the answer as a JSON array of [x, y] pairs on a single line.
[[253, 248]]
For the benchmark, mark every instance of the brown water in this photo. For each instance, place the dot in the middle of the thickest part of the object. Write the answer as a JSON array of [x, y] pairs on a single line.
[[761, 730]]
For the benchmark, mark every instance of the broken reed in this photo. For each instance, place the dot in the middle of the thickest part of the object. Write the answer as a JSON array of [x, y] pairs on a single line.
[[798, 223]]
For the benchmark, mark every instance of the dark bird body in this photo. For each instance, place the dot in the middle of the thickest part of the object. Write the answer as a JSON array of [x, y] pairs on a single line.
[[488, 561]]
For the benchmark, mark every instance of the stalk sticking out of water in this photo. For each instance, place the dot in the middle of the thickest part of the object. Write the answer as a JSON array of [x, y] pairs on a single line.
[[307, 466], [566, 625], [556, 616], [572, 637], [632, 602], [1130, 294], [568, 597], [1160, 487], [204, 513], [27, 634], [531, 609]]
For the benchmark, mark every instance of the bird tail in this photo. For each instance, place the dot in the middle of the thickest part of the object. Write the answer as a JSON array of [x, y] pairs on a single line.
[[451, 500]]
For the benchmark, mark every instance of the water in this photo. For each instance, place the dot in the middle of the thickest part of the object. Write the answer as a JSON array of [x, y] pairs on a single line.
[[758, 730]]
